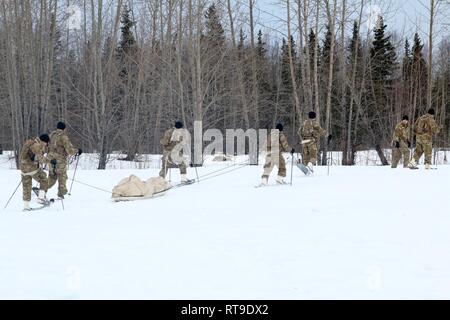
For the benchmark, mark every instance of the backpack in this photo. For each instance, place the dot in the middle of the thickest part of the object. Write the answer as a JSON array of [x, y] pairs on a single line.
[[307, 129], [422, 126]]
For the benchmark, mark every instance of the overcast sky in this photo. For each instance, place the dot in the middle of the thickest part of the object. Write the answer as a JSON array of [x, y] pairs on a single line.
[[402, 16]]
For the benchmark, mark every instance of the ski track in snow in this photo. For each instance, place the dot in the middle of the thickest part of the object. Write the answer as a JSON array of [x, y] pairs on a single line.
[[360, 233]]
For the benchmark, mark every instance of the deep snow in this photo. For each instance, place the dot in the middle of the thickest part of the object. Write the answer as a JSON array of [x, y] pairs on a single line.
[[361, 232]]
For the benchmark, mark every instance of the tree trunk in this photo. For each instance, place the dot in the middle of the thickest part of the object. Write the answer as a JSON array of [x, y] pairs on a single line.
[[331, 22], [381, 155], [291, 63], [430, 55]]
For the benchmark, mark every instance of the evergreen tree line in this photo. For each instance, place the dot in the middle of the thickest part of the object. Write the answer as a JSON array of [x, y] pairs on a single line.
[[129, 73]]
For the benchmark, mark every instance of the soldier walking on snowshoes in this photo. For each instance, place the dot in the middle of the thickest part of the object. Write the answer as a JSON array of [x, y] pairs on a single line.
[[311, 132], [424, 128], [32, 160], [171, 142], [60, 148], [276, 144], [401, 143]]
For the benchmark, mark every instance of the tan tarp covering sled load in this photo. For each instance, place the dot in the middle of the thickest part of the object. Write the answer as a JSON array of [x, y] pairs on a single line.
[[133, 188]]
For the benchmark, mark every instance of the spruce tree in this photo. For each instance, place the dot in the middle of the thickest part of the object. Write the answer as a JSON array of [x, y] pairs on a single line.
[[382, 63], [407, 62], [261, 46], [125, 92], [262, 66], [127, 46], [419, 72], [215, 35], [382, 54], [312, 43], [353, 52], [286, 79]]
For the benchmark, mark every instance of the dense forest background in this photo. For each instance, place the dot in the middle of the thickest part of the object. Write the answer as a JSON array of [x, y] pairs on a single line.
[[131, 68]]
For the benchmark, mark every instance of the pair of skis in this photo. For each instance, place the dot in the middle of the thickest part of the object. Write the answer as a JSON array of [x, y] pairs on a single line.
[[181, 184], [306, 171], [178, 185], [417, 168], [272, 185]]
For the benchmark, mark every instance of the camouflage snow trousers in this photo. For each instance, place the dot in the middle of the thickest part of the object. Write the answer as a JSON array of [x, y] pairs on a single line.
[[423, 145], [58, 173], [398, 153], [27, 182], [167, 162], [309, 153], [271, 162]]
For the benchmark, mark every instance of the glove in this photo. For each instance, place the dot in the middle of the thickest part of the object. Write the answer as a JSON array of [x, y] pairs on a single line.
[[409, 144], [33, 157], [292, 151], [397, 144], [330, 137], [79, 152], [53, 162]]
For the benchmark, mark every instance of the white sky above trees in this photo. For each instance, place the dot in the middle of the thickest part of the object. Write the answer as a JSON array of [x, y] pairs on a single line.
[[403, 17]]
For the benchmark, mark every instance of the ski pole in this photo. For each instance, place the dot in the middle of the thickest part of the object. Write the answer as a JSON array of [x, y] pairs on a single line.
[[13, 194], [57, 177], [292, 167], [74, 173], [328, 164], [328, 148], [196, 173]]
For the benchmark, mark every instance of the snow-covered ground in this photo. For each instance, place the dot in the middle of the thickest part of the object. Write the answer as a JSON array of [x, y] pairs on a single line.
[[360, 232], [151, 161]]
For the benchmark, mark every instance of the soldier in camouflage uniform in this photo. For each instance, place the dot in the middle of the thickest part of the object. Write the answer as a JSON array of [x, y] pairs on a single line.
[[274, 156], [172, 138], [424, 128], [31, 159], [60, 148], [401, 143], [311, 132]]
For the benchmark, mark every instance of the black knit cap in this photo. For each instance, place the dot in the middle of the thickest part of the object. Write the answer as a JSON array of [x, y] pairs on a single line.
[[178, 124], [44, 137], [405, 118], [312, 115], [61, 126], [279, 127], [431, 111]]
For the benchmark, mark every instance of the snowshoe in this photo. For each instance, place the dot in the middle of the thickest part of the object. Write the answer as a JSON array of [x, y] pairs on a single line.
[[36, 191], [306, 171], [45, 204], [188, 181]]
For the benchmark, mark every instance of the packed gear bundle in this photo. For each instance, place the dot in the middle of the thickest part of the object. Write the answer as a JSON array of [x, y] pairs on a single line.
[[132, 188]]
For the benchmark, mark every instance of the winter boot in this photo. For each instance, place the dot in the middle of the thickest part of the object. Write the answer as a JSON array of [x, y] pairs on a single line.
[[264, 182], [26, 206], [413, 165], [280, 180], [41, 197], [185, 180], [427, 166]]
